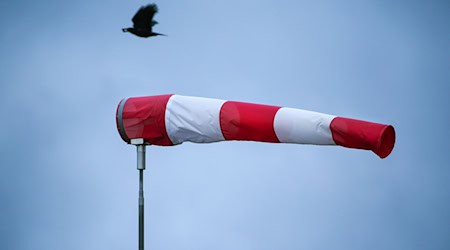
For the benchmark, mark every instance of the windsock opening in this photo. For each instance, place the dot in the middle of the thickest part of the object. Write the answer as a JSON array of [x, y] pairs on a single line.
[[119, 120], [143, 117]]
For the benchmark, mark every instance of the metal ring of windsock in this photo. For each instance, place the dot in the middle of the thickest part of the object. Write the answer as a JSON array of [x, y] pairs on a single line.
[[168, 120]]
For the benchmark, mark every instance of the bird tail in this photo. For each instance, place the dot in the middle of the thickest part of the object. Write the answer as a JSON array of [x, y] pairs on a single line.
[[159, 34]]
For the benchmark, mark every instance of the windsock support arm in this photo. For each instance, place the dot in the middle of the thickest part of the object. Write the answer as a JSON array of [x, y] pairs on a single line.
[[140, 150]]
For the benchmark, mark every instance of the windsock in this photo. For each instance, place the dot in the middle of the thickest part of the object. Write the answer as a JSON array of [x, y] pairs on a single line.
[[168, 120]]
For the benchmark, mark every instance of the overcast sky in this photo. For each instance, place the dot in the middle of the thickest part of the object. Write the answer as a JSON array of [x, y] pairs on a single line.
[[67, 180]]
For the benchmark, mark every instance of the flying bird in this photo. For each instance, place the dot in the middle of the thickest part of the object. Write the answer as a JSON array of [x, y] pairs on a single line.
[[143, 22]]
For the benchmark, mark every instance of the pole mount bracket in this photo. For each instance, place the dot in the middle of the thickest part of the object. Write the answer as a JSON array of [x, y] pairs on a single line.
[[138, 141]]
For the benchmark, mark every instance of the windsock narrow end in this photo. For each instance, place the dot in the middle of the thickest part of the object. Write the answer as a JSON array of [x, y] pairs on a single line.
[[352, 133], [386, 142]]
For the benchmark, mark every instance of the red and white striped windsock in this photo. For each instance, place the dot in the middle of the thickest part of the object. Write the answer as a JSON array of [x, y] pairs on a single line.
[[168, 120]]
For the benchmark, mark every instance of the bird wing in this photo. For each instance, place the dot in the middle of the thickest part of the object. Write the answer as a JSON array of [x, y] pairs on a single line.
[[144, 17]]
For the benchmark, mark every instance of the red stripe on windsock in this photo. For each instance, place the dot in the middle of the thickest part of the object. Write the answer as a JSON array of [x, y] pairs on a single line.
[[247, 121], [359, 134], [144, 117]]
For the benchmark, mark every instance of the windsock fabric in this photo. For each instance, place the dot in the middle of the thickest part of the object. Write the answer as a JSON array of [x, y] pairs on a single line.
[[168, 120]]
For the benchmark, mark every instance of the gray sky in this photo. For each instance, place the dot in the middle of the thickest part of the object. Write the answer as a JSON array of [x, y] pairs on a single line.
[[67, 180]]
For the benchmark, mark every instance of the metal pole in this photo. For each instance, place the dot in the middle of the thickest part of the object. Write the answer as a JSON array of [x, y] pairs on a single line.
[[140, 149], [141, 209]]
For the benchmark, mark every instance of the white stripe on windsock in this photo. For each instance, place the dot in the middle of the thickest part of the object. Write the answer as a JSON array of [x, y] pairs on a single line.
[[302, 126], [194, 119]]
